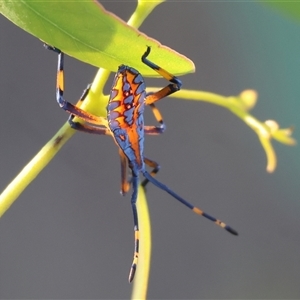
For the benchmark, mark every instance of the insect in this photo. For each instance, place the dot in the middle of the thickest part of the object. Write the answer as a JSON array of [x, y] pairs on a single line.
[[125, 123]]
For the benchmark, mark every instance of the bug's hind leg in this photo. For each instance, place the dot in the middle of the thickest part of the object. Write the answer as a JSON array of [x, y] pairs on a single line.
[[125, 183], [174, 86], [155, 168], [135, 182], [188, 204]]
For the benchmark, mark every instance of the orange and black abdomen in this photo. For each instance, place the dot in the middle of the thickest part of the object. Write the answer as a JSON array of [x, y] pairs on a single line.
[[125, 114]]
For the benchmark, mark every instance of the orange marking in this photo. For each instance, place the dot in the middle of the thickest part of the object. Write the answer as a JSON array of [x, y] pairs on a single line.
[[136, 235], [157, 114], [198, 211], [60, 80], [222, 224], [158, 95]]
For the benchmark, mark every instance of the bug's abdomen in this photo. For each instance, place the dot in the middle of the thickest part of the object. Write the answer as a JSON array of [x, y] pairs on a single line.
[[126, 102], [125, 113]]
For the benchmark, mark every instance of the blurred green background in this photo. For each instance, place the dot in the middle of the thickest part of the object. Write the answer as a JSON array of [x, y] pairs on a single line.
[[69, 236]]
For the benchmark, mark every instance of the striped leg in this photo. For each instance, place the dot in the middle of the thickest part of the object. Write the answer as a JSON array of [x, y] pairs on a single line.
[[174, 86], [153, 164], [154, 130], [125, 183], [86, 127], [67, 106], [189, 205], [135, 183]]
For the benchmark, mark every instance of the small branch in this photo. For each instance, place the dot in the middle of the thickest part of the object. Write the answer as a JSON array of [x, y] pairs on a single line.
[[240, 105], [33, 168]]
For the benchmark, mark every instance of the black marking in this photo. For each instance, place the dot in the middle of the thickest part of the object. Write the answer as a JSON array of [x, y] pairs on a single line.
[[132, 273], [58, 140], [231, 230], [48, 47], [85, 92]]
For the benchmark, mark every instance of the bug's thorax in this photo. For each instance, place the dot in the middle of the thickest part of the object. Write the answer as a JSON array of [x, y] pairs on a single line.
[[125, 113]]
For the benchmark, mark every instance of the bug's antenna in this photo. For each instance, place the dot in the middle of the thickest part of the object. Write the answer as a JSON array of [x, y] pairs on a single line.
[[189, 205]]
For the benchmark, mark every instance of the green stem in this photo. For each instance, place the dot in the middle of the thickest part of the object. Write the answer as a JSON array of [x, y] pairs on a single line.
[[46, 154], [239, 106], [143, 9], [33, 168]]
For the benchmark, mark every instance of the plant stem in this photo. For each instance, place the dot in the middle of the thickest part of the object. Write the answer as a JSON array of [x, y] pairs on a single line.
[[239, 107], [33, 168]]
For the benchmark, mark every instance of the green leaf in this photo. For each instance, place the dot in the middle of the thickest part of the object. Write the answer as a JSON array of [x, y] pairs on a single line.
[[86, 31], [287, 7]]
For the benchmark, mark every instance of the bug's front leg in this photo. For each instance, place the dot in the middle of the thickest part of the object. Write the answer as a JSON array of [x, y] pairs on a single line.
[[67, 106], [173, 87]]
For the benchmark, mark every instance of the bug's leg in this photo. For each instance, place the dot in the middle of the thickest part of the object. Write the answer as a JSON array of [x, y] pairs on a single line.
[[189, 205], [135, 182], [52, 48], [65, 105], [84, 94], [125, 184], [174, 86], [87, 127], [152, 164], [154, 130]]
